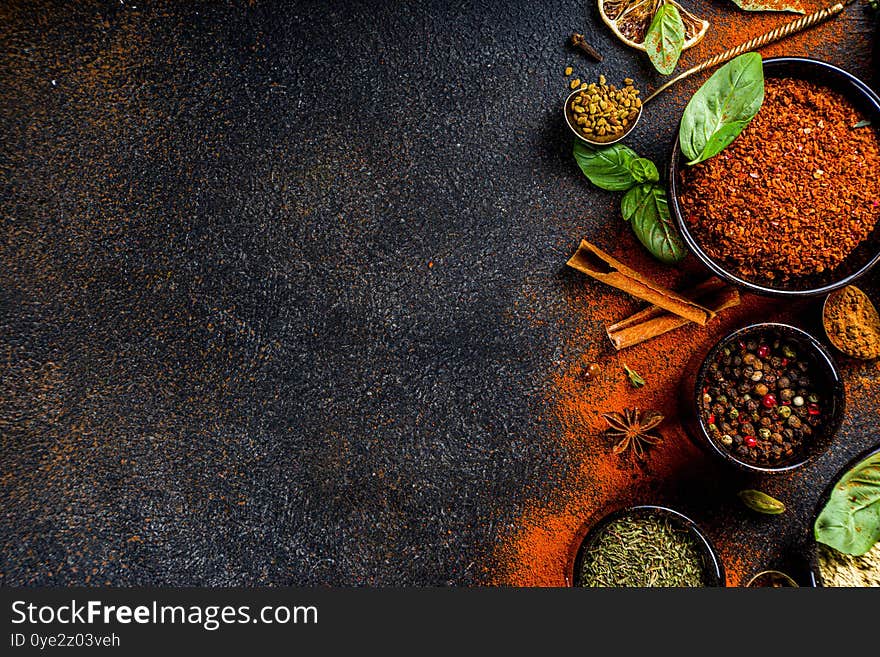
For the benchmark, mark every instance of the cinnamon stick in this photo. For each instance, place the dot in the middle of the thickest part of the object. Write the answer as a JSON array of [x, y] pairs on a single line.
[[654, 321], [594, 262]]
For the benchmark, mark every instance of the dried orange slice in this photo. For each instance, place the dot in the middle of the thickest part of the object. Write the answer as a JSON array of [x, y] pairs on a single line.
[[630, 20]]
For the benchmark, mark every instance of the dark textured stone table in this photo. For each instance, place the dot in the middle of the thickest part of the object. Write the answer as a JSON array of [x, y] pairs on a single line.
[[281, 282]]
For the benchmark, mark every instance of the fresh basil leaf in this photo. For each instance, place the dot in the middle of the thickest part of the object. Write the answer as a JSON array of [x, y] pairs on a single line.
[[629, 204], [643, 170], [606, 167], [769, 5], [645, 207], [722, 107], [864, 123], [665, 38], [850, 521]]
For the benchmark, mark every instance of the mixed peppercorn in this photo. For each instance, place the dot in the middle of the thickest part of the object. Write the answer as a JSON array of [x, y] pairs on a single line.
[[760, 401]]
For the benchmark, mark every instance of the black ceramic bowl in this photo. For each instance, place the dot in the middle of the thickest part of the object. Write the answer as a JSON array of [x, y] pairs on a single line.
[[813, 553], [713, 571], [829, 384], [862, 258]]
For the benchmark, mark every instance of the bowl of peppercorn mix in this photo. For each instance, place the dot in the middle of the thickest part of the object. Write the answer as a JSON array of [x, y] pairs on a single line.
[[767, 398], [791, 207]]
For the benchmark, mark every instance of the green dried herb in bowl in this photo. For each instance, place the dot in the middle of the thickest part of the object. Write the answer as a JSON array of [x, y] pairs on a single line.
[[647, 546]]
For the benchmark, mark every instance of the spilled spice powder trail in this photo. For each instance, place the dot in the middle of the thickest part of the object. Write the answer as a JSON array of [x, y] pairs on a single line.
[[541, 548]]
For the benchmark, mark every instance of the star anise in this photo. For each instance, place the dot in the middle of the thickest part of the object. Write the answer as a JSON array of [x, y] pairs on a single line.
[[632, 430]]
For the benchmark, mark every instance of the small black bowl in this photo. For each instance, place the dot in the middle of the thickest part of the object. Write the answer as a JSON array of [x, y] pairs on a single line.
[[862, 258], [713, 571], [813, 549], [830, 383]]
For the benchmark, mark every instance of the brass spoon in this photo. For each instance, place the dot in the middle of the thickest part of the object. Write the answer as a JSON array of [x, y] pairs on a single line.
[[577, 133], [772, 579], [871, 322]]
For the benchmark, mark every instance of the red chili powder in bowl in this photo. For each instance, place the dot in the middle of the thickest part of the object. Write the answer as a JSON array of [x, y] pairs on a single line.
[[794, 194]]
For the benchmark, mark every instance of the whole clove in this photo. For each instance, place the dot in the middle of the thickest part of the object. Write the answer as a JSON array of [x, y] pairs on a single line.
[[579, 42]]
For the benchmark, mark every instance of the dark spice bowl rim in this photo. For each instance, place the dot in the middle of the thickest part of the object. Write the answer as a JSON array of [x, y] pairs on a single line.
[[813, 544], [713, 570], [810, 69], [824, 359]]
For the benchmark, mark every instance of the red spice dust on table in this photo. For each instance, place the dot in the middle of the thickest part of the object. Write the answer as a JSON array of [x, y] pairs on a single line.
[[540, 552], [729, 27]]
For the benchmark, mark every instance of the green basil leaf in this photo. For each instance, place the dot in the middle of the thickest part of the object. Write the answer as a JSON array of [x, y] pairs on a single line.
[[645, 207], [722, 107], [850, 521], [769, 5], [606, 167], [864, 123], [643, 170], [665, 38], [629, 204]]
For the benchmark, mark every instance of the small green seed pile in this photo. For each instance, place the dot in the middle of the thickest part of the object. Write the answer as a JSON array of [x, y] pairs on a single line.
[[602, 112]]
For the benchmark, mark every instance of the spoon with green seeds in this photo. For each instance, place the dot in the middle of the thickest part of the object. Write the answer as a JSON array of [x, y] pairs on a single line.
[[602, 114]]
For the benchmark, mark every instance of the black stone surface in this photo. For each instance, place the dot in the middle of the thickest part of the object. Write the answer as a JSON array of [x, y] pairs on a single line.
[[280, 283]]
